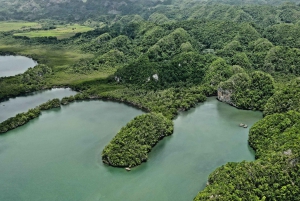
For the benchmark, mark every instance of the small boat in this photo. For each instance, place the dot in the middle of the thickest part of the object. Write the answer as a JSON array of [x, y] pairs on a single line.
[[245, 126], [128, 169], [241, 124]]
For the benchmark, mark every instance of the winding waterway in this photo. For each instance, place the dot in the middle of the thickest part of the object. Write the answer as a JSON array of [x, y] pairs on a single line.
[[20, 104], [14, 65], [57, 156]]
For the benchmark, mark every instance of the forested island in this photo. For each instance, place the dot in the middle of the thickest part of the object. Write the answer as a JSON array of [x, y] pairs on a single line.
[[131, 145], [165, 57]]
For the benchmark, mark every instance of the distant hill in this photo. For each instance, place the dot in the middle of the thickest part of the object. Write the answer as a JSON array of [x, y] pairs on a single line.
[[80, 10]]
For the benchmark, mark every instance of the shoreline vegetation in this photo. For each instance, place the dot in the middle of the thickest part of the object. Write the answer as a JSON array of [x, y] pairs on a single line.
[[151, 127], [22, 118], [274, 171], [168, 60], [131, 145]]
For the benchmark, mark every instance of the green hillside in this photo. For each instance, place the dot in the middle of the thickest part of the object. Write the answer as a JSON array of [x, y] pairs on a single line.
[[165, 57]]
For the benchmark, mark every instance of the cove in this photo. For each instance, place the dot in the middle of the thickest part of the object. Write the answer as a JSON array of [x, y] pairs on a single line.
[[13, 106], [14, 65], [57, 156]]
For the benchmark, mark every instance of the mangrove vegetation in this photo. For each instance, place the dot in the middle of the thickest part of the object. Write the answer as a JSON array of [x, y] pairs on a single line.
[[164, 57], [132, 143]]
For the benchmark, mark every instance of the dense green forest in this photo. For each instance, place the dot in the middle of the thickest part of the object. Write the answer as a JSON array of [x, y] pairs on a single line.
[[131, 145], [165, 57], [273, 176], [78, 10]]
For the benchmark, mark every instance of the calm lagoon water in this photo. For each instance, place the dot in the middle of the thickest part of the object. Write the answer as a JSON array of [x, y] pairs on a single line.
[[14, 65], [58, 155], [20, 104]]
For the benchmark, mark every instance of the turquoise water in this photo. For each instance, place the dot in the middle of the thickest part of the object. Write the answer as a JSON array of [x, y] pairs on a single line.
[[20, 104], [58, 155], [13, 65]]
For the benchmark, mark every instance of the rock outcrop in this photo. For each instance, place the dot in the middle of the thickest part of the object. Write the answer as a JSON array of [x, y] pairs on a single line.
[[225, 96]]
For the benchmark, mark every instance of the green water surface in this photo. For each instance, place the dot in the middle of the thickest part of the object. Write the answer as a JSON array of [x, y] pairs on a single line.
[[57, 156], [13, 106]]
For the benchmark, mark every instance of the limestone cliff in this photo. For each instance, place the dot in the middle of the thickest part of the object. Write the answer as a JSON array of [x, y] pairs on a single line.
[[224, 95]]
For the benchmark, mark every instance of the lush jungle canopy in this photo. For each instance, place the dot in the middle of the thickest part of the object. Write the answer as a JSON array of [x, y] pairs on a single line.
[[131, 145], [164, 57]]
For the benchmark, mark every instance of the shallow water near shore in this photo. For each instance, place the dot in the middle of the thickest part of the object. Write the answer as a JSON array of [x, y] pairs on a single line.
[[14, 65], [58, 155]]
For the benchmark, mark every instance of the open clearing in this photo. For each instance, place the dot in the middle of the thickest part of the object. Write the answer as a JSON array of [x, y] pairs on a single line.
[[61, 32], [18, 25]]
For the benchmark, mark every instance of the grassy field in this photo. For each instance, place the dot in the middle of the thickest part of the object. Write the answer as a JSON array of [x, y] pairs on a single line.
[[60, 60], [61, 32], [17, 25]]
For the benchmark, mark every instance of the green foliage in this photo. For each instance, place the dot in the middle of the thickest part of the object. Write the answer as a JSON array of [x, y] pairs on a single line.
[[22, 118], [36, 76], [249, 91], [217, 72], [32, 80], [150, 36], [19, 120], [284, 99], [108, 62], [212, 34], [283, 59], [247, 34], [67, 100], [168, 101], [55, 103], [289, 13], [168, 46], [231, 48], [59, 32], [274, 176], [186, 67], [284, 34], [158, 18], [130, 147], [279, 128], [242, 60], [104, 44], [169, 64], [258, 51], [17, 25]]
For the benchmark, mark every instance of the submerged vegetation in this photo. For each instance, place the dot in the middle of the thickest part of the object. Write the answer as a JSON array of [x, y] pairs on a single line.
[[164, 57], [131, 145]]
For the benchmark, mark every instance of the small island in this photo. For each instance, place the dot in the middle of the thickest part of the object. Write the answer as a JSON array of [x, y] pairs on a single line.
[[130, 147]]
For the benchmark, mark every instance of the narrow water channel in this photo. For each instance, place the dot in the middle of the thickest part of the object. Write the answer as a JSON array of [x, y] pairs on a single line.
[[20, 104], [57, 156]]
